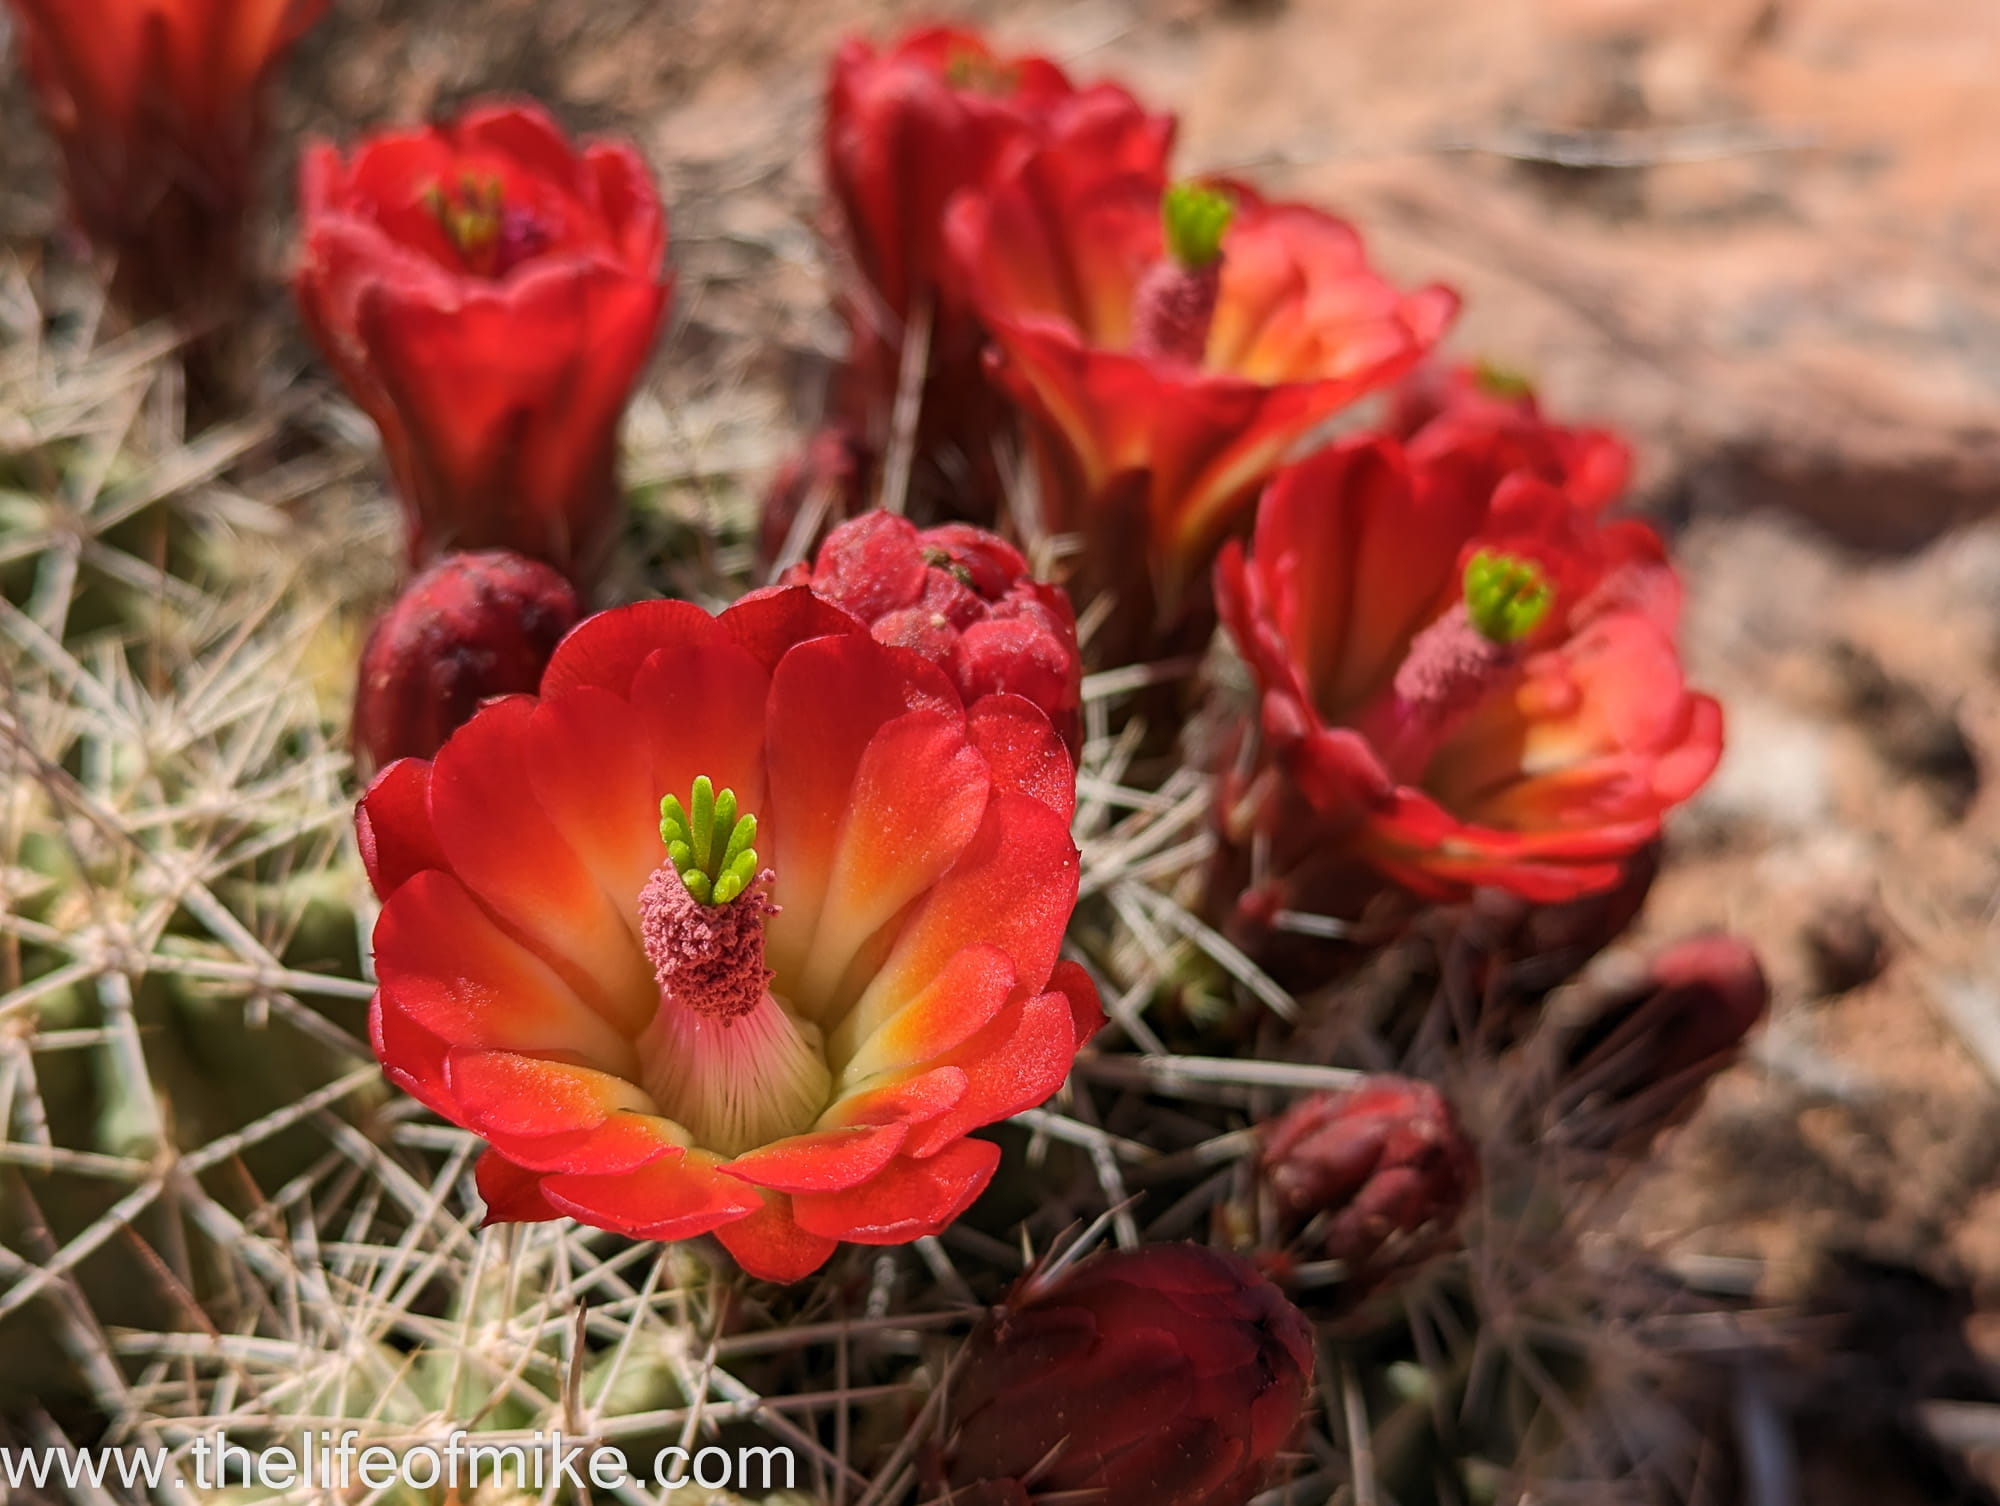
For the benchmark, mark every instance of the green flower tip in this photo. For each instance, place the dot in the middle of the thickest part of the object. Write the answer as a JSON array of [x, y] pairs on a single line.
[[709, 842], [1195, 217], [981, 73], [1501, 381], [1506, 596]]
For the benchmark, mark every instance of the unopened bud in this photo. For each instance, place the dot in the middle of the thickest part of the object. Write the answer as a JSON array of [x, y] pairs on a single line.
[[1170, 1375], [1376, 1178], [471, 627]]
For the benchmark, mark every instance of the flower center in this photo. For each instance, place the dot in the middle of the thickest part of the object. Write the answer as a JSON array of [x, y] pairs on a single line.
[[1174, 303], [491, 236], [723, 1056], [1456, 662]]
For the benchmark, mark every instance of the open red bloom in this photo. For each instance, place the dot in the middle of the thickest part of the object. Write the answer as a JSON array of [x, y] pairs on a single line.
[[908, 127], [158, 109], [1168, 348], [667, 1018], [965, 600], [489, 294], [1467, 684]]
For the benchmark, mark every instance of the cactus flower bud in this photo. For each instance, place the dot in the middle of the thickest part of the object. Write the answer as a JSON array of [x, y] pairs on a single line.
[[1645, 1048], [962, 598], [1170, 1375], [1376, 1178], [470, 627]]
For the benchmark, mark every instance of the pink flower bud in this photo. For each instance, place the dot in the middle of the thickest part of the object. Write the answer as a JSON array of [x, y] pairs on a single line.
[[470, 627], [1375, 1178], [962, 598], [1170, 1375]]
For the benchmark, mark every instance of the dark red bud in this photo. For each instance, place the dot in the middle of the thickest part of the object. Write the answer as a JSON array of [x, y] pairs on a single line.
[[1170, 1375], [1645, 1049], [1376, 1178], [470, 627]]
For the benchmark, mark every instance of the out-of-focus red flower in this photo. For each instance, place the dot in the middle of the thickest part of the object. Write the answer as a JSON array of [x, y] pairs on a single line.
[[1376, 1178], [1466, 684], [741, 925], [907, 127], [157, 107], [1168, 345], [470, 627], [1170, 1375], [1484, 411], [1640, 1051], [488, 294], [965, 600]]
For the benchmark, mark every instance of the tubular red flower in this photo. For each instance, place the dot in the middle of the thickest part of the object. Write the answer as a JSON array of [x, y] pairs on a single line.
[[470, 627], [157, 107], [544, 984], [1151, 457], [907, 128], [1539, 766], [1376, 1178], [488, 294], [965, 600], [1170, 1375]]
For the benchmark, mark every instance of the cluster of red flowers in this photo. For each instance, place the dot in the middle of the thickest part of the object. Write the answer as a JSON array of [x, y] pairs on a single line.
[[743, 923]]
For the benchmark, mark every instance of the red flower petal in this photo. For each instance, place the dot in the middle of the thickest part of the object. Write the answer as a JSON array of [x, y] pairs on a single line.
[[918, 795], [392, 823], [1024, 752], [1014, 886], [446, 966], [512, 1194], [829, 696], [514, 860], [770, 1245], [606, 650], [411, 1057], [907, 1200], [1015, 1063], [826, 1161], [667, 1200]]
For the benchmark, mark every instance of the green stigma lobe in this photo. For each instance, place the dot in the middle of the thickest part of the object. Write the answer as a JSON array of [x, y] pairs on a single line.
[[1501, 381], [1195, 218], [1506, 596], [708, 842]]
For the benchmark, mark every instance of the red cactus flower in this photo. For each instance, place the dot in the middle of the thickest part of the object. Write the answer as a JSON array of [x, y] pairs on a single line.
[[1467, 685], [1170, 1375], [1168, 347], [1640, 1050], [740, 926], [908, 127], [157, 107], [488, 294], [964, 600], [1493, 413], [1376, 1178], [470, 627]]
